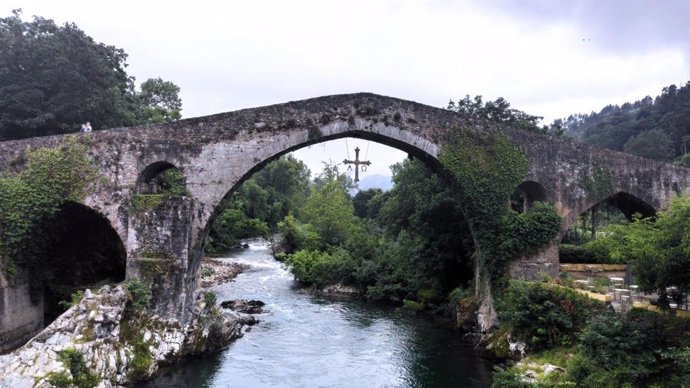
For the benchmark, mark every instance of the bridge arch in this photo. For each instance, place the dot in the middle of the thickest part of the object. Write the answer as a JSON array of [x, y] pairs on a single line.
[[213, 189], [414, 145], [77, 248], [147, 182], [526, 194], [445, 213], [628, 204]]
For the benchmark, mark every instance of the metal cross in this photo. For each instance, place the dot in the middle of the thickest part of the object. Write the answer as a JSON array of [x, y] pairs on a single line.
[[357, 162]]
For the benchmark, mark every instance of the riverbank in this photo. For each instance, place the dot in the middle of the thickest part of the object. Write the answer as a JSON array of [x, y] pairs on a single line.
[[104, 340]]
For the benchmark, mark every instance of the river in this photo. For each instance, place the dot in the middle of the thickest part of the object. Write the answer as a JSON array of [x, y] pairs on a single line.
[[306, 340]]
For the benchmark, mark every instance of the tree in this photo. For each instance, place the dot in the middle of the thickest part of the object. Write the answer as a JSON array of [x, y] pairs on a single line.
[[159, 101], [362, 199], [329, 210], [54, 78], [496, 111], [652, 144], [257, 206]]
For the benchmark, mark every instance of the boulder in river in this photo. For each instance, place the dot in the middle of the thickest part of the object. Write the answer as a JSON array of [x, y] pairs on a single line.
[[244, 306]]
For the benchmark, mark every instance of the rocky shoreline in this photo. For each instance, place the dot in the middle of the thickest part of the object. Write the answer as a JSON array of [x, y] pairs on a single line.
[[217, 271], [117, 345]]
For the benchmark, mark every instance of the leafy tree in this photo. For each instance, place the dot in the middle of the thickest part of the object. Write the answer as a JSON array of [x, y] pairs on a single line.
[[497, 111], [329, 210], [259, 204], [628, 127], [54, 78], [362, 199], [159, 101], [652, 144], [329, 173]]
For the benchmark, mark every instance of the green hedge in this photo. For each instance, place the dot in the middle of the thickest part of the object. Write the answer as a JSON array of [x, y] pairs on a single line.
[[581, 254]]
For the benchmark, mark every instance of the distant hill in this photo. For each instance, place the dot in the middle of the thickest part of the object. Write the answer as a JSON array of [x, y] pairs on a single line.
[[382, 182], [656, 128]]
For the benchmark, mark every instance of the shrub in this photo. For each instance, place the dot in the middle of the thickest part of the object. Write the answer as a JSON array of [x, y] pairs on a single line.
[[544, 315], [321, 268], [139, 293], [171, 182], [75, 298], [210, 298], [508, 378], [207, 272], [643, 348], [412, 305], [81, 376]]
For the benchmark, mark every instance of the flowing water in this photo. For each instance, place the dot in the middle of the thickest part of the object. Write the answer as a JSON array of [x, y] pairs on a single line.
[[311, 341]]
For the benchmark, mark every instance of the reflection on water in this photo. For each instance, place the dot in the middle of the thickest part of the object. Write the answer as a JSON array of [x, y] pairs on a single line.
[[309, 341]]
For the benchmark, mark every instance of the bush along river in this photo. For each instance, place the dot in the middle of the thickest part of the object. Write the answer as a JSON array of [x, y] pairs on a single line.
[[306, 340]]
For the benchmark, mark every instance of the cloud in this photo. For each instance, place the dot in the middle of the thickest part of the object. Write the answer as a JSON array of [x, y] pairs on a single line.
[[621, 26]]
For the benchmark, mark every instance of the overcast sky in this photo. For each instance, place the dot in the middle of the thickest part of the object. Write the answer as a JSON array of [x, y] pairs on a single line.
[[548, 58]]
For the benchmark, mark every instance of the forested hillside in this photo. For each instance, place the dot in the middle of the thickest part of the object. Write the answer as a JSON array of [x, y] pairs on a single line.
[[657, 128]]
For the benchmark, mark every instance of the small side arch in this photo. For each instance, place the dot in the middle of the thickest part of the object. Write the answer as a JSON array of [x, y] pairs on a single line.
[[150, 182], [629, 204], [526, 194]]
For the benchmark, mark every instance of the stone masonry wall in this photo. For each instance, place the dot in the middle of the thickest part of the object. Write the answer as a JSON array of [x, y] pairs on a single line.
[[20, 318]]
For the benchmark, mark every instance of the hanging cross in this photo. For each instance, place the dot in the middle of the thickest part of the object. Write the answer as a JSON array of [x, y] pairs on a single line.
[[357, 162]]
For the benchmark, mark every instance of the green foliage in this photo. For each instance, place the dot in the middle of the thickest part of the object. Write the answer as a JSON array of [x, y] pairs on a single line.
[[171, 182], [297, 236], [656, 128], [146, 202], [230, 227], [594, 252], [631, 350], [530, 230], [159, 101], [412, 305], [658, 248], [80, 374], [142, 359], [207, 272], [76, 297], [487, 169], [321, 268], [508, 378], [652, 144], [59, 379], [544, 315], [495, 111], [52, 177], [260, 204], [138, 293], [361, 201], [210, 298], [330, 212], [54, 78]]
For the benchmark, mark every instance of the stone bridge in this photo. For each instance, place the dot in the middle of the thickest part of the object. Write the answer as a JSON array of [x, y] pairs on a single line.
[[217, 153]]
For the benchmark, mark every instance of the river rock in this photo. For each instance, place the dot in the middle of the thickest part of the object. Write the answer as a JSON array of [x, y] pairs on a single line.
[[339, 289], [215, 271], [244, 306]]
